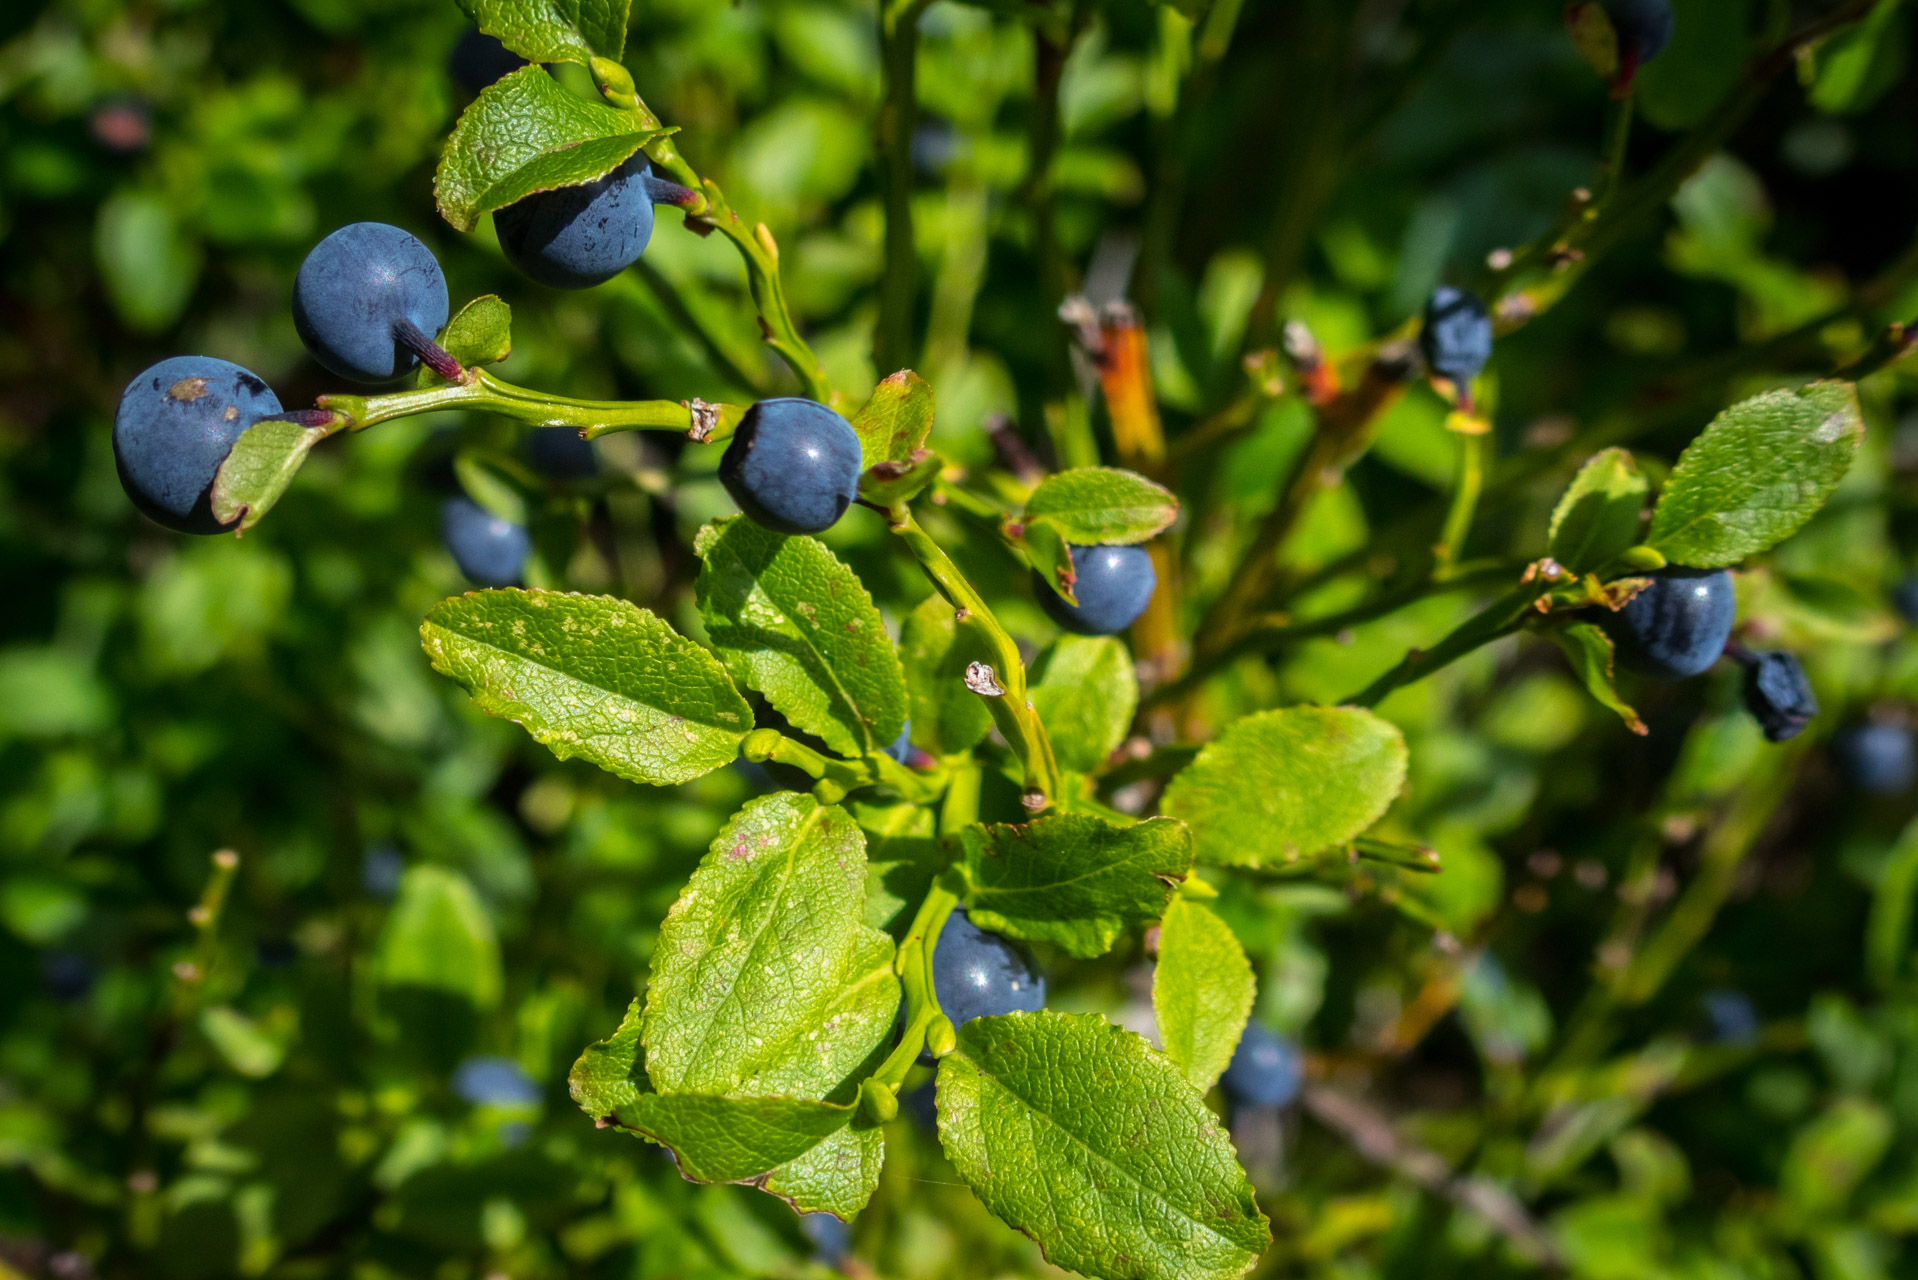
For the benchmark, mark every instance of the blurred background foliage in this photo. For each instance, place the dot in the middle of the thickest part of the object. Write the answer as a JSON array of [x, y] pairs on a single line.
[[1657, 1016]]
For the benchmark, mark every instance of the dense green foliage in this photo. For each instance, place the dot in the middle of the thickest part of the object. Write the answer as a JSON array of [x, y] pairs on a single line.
[[1656, 1012]]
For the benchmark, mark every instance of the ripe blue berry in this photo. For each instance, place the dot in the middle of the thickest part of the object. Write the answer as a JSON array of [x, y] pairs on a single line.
[[1778, 695], [577, 237], [1114, 585], [1265, 1071], [366, 297], [68, 975], [793, 465], [559, 453], [1456, 336], [497, 1082], [1644, 28], [176, 424], [831, 1239], [976, 974], [1879, 759], [1677, 626], [1904, 598], [1730, 1017], [478, 60], [489, 549]]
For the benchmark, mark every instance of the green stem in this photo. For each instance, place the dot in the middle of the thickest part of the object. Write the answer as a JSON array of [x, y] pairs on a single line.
[[1003, 685], [899, 50], [1458, 520], [835, 779], [1618, 135], [927, 1027], [1501, 618], [593, 418]]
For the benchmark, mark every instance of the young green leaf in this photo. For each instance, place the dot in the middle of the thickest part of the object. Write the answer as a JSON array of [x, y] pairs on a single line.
[[609, 1073], [482, 333], [1045, 546], [1757, 474], [896, 420], [732, 1139], [593, 677], [1073, 880], [1079, 1135], [1085, 691], [767, 982], [553, 30], [1284, 785], [259, 468], [796, 624], [1092, 505], [1589, 650], [525, 133], [439, 937], [935, 651], [1202, 990], [1598, 516]]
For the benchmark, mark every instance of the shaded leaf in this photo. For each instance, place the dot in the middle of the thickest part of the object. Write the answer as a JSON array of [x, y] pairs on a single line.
[[1073, 880], [1589, 650], [593, 677], [1078, 1134], [438, 936], [1085, 690], [946, 715], [1094, 505], [1284, 785], [788, 618], [1045, 546], [526, 133], [732, 1139], [1599, 514], [553, 30], [894, 423], [1757, 474], [609, 1073], [1202, 989]]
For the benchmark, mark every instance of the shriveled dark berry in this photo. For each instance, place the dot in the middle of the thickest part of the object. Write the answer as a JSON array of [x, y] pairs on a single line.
[[1265, 1071], [793, 465], [365, 296], [1457, 335], [490, 550], [976, 974], [1778, 695], [1677, 626], [176, 423], [1114, 585]]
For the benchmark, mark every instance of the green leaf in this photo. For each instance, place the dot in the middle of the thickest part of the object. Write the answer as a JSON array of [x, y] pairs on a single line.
[[438, 936], [1202, 991], [1756, 474], [1094, 505], [610, 1073], [525, 133], [896, 420], [885, 483], [482, 333], [1589, 650], [1599, 514], [593, 677], [837, 1176], [1045, 546], [1073, 880], [553, 30], [1284, 785], [902, 857], [794, 623], [1085, 690], [1079, 1135], [262, 464], [731, 1139], [947, 717]]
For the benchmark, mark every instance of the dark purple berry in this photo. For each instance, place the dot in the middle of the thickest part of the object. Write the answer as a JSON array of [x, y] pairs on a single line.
[[1730, 1017], [176, 423], [366, 297], [1778, 695], [793, 466], [1114, 585], [1265, 1071], [1677, 626]]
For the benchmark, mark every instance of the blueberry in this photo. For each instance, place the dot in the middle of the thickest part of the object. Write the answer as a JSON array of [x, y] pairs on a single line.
[[1878, 758], [901, 749], [380, 871], [1777, 693], [1114, 584], [1677, 626], [490, 550], [560, 454], [177, 422], [1457, 335], [478, 60], [1644, 28], [793, 465], [497, 1082], [976, 974], [831, 1238], [1265, 1071], [68, 975], [577, 237], [1904, 597], [366, 296], [1730, 1017]]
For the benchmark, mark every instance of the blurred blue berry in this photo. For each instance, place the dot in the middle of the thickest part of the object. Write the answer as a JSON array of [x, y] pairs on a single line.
[[490, 550], [1457, 335], [1878, 759], [1265, 1071], [495, 1082], [1778, 695]]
